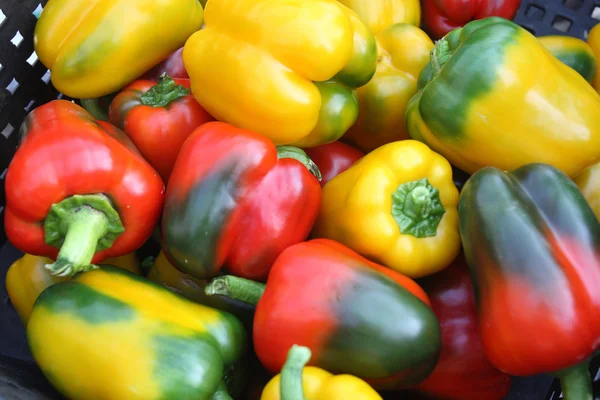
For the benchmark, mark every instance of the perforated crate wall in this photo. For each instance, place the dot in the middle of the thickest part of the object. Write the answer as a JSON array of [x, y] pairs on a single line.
[[559, 17]]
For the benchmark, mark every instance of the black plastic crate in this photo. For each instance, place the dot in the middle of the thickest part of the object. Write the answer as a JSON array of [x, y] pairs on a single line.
[[25, 84]]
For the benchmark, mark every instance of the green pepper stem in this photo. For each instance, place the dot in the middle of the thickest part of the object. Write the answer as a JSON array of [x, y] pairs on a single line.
[[93, 107], [439, 55], [164, 92], [221, 393], [576, 383], [299, 155], [417, 208], [236, 288], [80, 226], [291, 374]]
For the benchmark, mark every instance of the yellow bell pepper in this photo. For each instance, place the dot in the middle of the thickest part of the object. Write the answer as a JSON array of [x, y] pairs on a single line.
[[379, 14], [593, 40], [163, 273], [297, 382], [285, 69], [573, 52], [96, 47], [403, 50], [589, 185], [396, 206], [27, 278]]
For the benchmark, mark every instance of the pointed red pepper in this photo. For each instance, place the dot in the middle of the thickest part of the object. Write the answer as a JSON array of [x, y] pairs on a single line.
[[77, 190]]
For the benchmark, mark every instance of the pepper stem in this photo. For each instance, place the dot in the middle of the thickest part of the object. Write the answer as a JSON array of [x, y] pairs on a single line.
[[576, 383], [417, 208], [93, 107], [300, 155], [439, 55], [291, 374], [236, 288], [164, 92], [221, 393], [80, 226]]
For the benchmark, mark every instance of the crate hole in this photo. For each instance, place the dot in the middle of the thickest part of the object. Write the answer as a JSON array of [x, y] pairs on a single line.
[[29, 105], [573, 4], [17, 39], [596, 13], [46, 77], [535, 12], [2, 17], [7, 131], [3, 175], [60, 96], [38, 10], [561, 23], [1, 66], [33, 58], [13, 86]]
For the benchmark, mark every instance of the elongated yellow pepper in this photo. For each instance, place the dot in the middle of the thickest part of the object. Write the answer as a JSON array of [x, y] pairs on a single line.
[[379, 14]]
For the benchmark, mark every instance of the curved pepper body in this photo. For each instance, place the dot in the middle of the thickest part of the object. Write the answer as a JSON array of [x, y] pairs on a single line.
[[533, 248], [27, 278], [65, 152], [403, 51], [593, 40], [231, 201], [589, 185], [492, 68], [379, 14], [573, 52], [322, 295], [373, 207], [154, 344], [93, 50], [283, 69], [462, 372], [442, 16], [172, 66], [333, 159], [157, 125]]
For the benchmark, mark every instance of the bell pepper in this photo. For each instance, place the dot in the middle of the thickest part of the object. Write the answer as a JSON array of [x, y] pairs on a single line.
[[533, 247], [172, 66], [27, 278], [396, 206], [462, 372], [297, 382], [333, 159], [158, 117], [593, 40], [442, 16], [77, 190], [379, 14], [403, 51], [589, 185], [286, 70], [235, 199], [97, 47], [357, 317], [492, 68], [573, 52], [110, 334]]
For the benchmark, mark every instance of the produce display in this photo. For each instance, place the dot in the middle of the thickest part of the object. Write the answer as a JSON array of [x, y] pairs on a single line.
[[262, 200]]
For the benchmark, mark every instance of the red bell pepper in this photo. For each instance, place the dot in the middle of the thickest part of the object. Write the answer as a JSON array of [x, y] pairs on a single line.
[[463, 372], [442, 16], [77, 190], [172, 66], [235, 199], [333, 159], [158, 117], [533, 246], [356, 316]]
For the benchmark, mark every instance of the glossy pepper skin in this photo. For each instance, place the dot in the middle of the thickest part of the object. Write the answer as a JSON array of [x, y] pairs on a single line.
[[155, 344], [92, 50], [589, 185], [158, 117], [533, 247], [324, 296], [593, 40], [297, 382], [396, 206], [235, 199], [462, 372], [171, 66], [379, 14], [573, 52], [460, 110], [286, 70], [442, 16], [27, 278], [403, 51], [79, 186], [333, 159]]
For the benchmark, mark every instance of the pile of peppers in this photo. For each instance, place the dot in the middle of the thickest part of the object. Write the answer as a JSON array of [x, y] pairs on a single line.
[[307, 200]]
